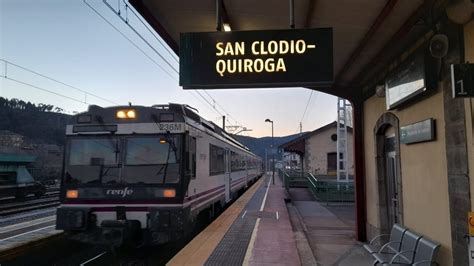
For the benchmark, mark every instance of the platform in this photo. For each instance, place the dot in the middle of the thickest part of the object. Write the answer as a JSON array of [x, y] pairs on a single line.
[[261, 228], [17, 235], [255, 230]]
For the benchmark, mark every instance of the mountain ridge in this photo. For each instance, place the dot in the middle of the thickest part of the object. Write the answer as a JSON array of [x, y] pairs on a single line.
[[258, 145]]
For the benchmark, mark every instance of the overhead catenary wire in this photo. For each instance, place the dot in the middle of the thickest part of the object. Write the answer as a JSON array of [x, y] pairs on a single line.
[[126, 21], [139, 35], [306, 108], [227, 113], [45, 90], [143, 52], [171, 53], [57, 81], [129, 40]]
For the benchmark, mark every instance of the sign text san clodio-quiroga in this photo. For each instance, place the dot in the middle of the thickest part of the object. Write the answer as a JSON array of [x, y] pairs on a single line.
[[244, 59]]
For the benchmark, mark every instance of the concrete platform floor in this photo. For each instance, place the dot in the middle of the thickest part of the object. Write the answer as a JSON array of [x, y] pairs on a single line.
[[329, 230]]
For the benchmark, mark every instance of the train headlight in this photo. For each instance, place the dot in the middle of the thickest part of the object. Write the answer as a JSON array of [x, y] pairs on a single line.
[[169, 193], [72, 194], [121, 114], [126, 114], [131, 114]]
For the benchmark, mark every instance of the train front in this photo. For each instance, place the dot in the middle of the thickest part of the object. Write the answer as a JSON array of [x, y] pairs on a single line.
[[123, 176]]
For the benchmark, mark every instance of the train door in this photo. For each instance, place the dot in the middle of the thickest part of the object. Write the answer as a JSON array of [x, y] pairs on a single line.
[[246, 162], [391, 181], [227, 173]]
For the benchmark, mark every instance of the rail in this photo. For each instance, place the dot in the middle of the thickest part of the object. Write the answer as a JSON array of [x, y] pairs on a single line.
[[327, 191], [331, 191], [15, 206]]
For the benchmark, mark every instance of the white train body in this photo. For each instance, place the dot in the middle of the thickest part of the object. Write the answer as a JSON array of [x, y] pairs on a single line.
[[146, 173]]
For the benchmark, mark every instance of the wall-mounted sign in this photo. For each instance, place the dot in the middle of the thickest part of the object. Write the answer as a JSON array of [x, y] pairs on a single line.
[[462, 80], [411, 78], [418, 132], [243, 59]]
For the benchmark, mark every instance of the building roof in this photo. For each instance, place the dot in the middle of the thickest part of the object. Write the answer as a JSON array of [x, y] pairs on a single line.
[[297, 145], [16, 158]]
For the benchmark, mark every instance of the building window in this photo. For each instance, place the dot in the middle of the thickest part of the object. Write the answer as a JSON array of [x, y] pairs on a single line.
[[332, 162], [216, 160], [334, 137]]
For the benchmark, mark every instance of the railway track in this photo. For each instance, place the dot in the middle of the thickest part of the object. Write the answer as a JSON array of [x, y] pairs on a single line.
[[49, 193], [50, 199]]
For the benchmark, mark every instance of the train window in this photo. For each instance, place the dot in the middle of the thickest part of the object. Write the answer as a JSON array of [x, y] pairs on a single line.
[[237, 162], [151, 160], [216, 160], [151, 174], [93, 152], [8, 178], [233, 161], [151, 151]]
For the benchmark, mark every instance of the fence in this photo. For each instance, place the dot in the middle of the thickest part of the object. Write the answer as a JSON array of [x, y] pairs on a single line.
[[323, 190]]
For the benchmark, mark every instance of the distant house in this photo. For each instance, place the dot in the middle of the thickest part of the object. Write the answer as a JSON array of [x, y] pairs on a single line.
[[317, 151], [10, 139]]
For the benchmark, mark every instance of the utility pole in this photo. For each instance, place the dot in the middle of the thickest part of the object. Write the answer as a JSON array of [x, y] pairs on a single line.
[[342, 171], [273, 153]]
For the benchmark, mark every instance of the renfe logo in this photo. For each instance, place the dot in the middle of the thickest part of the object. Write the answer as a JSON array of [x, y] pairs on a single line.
[[119, 192]]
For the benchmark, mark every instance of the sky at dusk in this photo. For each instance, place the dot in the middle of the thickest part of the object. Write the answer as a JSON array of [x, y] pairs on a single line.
[[67, 41]]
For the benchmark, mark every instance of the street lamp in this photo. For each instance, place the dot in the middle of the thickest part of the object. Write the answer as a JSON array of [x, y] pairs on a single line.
[[273, 153]]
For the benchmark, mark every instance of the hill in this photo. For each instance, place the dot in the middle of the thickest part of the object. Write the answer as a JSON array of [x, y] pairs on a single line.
[[41, 123], [258, 145]]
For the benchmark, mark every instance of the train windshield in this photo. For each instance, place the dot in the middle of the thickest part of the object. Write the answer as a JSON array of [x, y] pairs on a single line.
[[131, 160]]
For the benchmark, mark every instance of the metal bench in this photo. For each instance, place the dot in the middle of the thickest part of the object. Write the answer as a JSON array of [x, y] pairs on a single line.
[[393, 244], [404, 256], [424, 254]]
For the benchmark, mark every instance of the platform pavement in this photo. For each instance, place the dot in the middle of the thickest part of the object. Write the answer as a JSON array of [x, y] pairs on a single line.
[[330, 230], [260, 229], [14, 241], [274, 238], [255, 230]]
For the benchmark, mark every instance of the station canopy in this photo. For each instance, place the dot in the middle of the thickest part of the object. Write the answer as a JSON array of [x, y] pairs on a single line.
[[367, 34]]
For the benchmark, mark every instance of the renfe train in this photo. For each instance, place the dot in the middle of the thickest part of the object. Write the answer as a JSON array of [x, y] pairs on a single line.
[[145, 174]]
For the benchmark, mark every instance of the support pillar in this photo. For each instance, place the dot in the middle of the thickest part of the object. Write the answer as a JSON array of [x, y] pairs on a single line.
[[359, 178]]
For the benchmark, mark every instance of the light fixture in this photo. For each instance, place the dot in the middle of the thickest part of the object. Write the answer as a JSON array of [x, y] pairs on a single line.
[[72, 194], [226, 26], [126, 114], [169, 193], [131, 114]]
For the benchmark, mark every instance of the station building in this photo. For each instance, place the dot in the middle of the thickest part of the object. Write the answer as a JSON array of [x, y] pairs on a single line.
[[426, 186], [413, 146], [317, 151]]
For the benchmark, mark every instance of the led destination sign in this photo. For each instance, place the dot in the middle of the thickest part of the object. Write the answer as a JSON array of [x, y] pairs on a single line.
[[275, 58]]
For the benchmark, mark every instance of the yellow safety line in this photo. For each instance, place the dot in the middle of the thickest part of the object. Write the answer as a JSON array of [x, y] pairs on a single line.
[[202, 246]]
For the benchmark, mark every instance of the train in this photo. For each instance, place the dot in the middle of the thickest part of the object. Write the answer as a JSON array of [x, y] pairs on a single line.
[[141, 174], [15, 179]]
